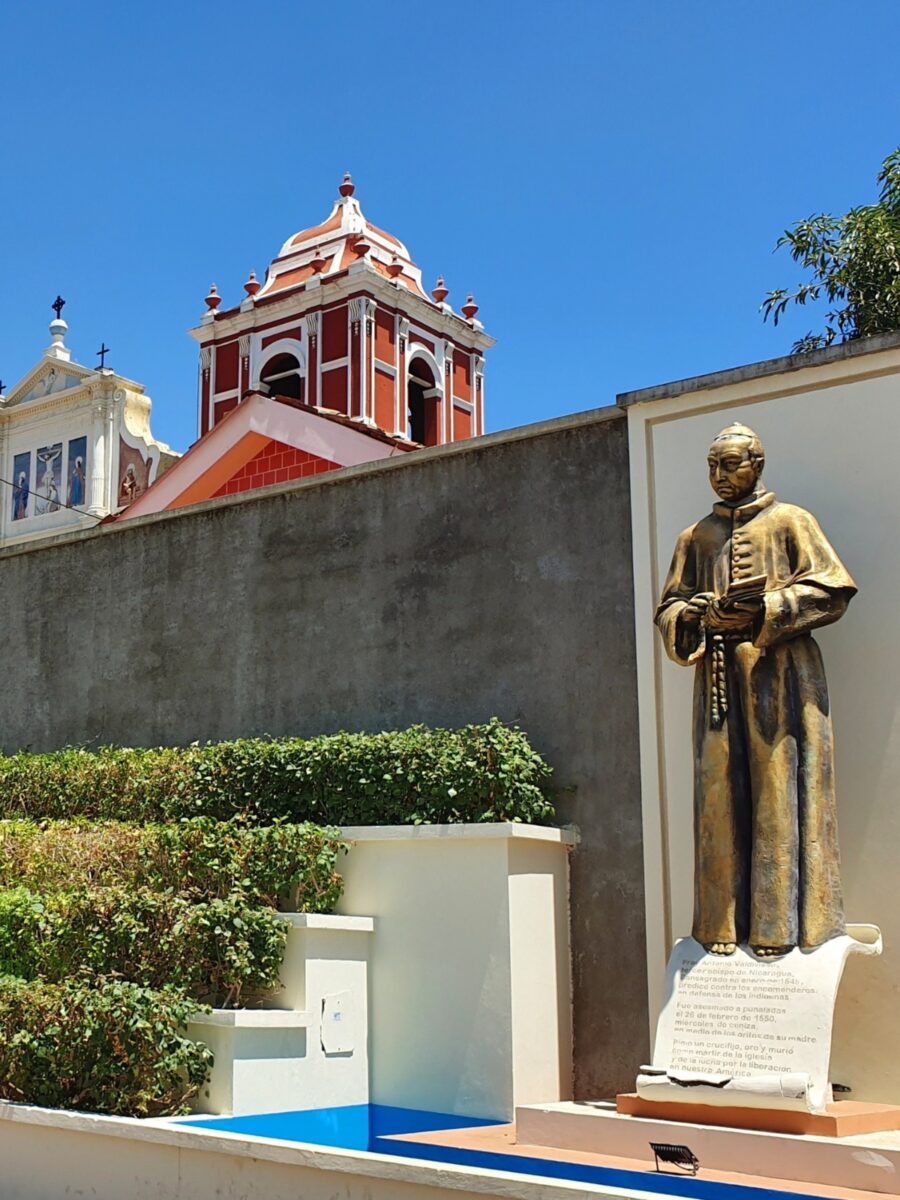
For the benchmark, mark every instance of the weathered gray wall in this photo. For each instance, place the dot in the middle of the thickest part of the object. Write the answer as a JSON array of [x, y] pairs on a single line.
[[446, 588]]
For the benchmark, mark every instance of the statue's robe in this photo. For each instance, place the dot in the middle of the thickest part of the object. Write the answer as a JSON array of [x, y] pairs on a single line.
[[767, 869]]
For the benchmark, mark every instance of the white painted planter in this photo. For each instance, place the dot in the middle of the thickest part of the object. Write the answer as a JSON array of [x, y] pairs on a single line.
[[470, 986], [469, 982], [309, 1048]]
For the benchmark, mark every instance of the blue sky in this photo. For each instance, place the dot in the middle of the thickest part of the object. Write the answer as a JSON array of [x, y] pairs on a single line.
[[609, 179]]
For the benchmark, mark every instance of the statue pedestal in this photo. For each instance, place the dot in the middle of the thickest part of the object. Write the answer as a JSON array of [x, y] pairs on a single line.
[[742, 1032], [843, 1119]]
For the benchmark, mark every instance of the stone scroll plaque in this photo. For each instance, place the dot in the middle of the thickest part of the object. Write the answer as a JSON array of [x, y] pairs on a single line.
[[741, 1031]]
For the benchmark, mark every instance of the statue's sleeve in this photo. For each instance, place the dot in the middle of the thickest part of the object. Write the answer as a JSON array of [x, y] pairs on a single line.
[[683, 645], [819, 589]]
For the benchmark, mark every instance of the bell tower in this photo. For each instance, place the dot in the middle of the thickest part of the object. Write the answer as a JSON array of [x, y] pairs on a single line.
[[342, 323]]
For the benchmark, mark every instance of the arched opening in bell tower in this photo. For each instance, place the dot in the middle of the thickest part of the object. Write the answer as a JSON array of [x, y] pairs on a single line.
[[422, 400], [283, 376]]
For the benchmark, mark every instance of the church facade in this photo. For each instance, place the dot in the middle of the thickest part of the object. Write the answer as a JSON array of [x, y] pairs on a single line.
[[75, 445]]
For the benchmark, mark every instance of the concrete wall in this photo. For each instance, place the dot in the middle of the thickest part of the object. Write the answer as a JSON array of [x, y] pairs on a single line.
[[829, 426], [484, 579]]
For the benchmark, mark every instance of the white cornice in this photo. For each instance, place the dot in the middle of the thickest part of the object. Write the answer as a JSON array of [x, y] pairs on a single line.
[[86, 376], [72, 398], [37, 372], [422, 311]]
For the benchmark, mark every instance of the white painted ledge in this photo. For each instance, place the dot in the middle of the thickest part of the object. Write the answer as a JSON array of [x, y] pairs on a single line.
[[254, 1018], [330, 921], [488, 831]]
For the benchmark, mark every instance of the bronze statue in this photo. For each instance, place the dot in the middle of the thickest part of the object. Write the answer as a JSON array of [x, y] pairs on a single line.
[[746, 587]]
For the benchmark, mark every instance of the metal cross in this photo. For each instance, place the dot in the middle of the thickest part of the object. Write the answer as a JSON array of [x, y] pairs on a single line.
[[2, 386], [102, 353], [58, 305]]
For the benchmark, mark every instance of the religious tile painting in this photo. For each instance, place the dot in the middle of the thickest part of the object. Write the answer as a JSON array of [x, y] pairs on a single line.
[[21, 490], [76, 473], [48, 478], [134, 473]]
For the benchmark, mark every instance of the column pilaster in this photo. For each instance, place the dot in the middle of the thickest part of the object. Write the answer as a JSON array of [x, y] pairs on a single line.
[[97, 506], [313, 388]]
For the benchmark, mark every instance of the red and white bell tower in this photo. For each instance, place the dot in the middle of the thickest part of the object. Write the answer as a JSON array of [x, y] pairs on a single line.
[[342, 323]]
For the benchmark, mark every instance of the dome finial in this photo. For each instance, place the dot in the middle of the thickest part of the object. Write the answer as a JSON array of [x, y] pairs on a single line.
[[252, 286], [348, 187], [470, 308], [58, 331], [440, 291], [213, 299]]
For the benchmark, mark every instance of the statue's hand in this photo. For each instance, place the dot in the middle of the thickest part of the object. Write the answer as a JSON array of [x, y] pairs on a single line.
[[738, 615], [696, 608]]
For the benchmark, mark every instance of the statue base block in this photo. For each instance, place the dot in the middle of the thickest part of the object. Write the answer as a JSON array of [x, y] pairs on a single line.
[[844, 1118], [740, 1032]]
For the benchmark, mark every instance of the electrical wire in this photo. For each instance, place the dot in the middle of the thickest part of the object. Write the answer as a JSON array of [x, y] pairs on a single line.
[[59, 503]]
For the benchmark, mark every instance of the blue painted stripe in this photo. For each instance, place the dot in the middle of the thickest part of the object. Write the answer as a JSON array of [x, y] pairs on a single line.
[[370, 1127], [346, 1127]]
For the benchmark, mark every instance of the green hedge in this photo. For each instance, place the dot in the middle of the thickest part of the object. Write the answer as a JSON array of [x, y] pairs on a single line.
[[200, 859], [223, 952], [479, 773], [112, 1047]]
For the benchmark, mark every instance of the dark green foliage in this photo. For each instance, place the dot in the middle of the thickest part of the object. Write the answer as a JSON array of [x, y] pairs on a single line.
[[222, 952], [479, 773], [855, 264], [113, 1047], [122, 931], [200, 859]]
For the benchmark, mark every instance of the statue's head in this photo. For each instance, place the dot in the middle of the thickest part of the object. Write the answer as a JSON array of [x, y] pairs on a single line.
[[736, 460]]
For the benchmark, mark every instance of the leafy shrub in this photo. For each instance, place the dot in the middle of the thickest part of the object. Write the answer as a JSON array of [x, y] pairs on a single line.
[[199, 859], [479, 773], [113, 1047], [222, 952]]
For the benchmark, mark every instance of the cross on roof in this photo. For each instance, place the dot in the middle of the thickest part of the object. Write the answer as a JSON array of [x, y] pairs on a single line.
[[2, 386], [102, 353], [58, 305]]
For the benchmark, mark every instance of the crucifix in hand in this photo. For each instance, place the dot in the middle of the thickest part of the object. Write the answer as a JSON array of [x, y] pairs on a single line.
[[102, 353], [58, 305]]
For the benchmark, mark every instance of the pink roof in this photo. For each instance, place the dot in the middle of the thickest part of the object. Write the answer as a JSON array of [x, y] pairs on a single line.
[[336, 240], [219, 454]]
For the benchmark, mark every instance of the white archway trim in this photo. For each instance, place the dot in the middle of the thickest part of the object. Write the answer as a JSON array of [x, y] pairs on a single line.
[[436, 393], [282, 346], [416, 350]]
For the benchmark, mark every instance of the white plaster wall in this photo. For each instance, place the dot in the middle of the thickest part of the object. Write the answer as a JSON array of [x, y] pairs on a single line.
[[540, 971], [830, 435], [469, 1008]]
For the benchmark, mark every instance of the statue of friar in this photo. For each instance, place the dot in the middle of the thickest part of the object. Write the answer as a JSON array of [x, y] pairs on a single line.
[[746, 587]]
